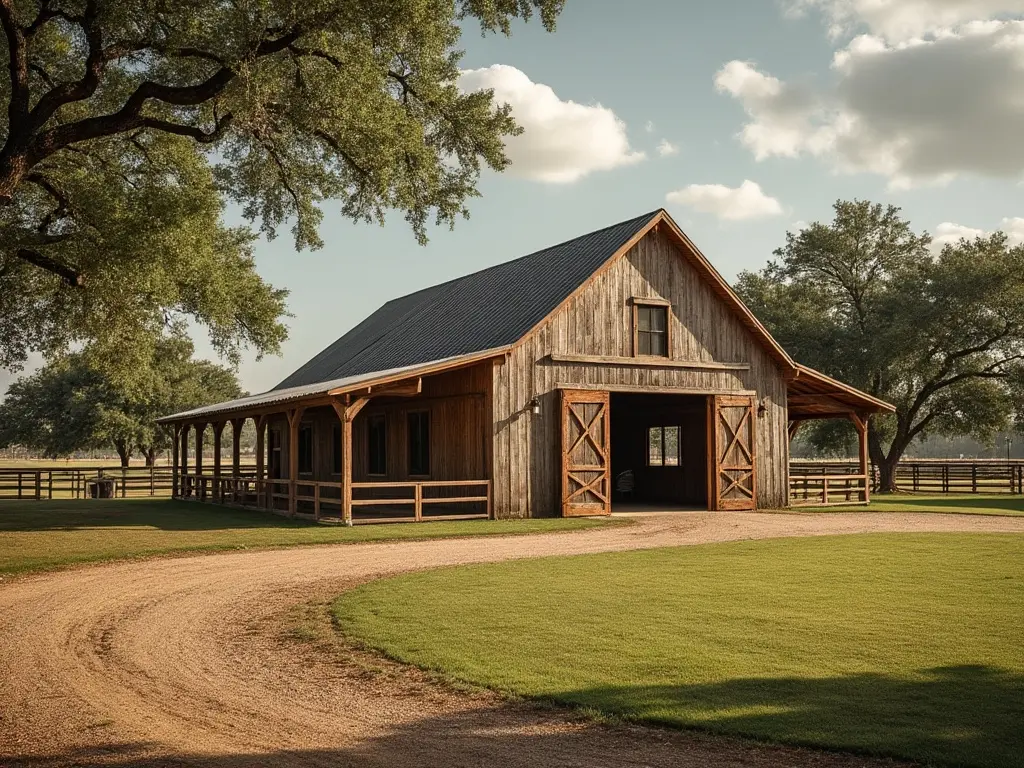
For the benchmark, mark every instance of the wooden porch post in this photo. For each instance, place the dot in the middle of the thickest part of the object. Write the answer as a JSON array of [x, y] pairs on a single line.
[[218, 432], [862, 432], [185, 488], [200, 480], [261, 431], [347, 412], [294, 419], [175, 448], [236, 457]]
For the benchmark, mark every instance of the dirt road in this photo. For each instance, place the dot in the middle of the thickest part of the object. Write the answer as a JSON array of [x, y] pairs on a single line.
[[184, 662]]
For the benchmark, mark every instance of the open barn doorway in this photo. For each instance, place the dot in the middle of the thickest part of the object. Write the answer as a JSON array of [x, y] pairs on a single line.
[[659, 452]]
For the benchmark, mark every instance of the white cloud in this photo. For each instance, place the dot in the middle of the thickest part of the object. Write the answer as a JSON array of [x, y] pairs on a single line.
[[948, 233], [746, 201], [901, 20], [667, 149], [917, 112], [562, 141]]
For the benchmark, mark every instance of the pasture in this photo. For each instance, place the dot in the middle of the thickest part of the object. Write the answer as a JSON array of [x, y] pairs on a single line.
[[906, 645]]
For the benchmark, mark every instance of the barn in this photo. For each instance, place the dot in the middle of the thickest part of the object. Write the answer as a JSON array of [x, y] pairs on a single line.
[[615, 371]]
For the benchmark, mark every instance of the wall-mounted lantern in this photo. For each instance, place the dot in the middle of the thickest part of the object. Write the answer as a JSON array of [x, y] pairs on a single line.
[[534, 406], [762, 408]]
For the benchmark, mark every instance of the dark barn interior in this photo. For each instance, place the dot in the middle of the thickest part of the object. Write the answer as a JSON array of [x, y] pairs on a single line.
[[662, 441]]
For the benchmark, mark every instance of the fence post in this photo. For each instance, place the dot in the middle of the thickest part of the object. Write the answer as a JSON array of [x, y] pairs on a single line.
[[152, 481], [316, 501], [39, 484], [49, 485], [19, 484], [419, 502], [945, 478], [974, 478]]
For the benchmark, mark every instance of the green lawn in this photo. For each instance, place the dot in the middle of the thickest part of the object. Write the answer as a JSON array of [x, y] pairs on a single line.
[[965, 504], [39, 535], [902, 645]]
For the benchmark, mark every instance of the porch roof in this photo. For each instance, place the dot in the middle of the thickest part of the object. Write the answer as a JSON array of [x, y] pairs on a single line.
[[813, 395], [340, 386]]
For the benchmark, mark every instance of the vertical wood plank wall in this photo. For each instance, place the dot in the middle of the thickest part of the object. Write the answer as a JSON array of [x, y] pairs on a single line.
[[599, 322], [460, 417]]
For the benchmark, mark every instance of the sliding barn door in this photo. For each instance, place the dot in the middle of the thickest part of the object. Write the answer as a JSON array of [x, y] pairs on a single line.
[[586, 454], [732, 438]]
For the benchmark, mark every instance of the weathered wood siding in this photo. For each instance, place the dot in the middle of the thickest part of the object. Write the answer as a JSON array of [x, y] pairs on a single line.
[[599, 321], [459, 406]]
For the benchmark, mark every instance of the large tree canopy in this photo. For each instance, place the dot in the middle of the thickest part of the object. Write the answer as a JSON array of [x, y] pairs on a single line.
[[941, 336], [129, 123], [69, 406]]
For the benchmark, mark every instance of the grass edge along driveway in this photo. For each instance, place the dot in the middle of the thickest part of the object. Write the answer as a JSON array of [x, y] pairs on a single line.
[[999, 504], [45, 535], [903, 645]]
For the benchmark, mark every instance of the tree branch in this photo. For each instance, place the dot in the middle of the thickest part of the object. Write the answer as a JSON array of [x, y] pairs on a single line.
[[191, 131], [70, 276], [17, 108]]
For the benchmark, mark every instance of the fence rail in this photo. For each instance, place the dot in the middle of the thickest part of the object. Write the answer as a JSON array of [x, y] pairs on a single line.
[[75, 482], [927, 475]]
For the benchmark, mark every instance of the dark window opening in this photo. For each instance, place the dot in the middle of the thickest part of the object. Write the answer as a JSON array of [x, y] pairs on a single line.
[[274, 440], [377, 448], [336, 449], [652, 331], [419, 443], [306, 449], [663, 447]]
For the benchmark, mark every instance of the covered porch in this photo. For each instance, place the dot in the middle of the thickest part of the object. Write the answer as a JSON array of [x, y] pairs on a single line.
[[813, 395], [404, 445]]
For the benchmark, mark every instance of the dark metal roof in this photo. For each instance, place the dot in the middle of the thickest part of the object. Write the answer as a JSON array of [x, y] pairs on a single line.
[[491, 308]]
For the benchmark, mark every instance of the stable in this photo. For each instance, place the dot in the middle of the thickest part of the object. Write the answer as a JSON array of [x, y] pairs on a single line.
[[617, 370]]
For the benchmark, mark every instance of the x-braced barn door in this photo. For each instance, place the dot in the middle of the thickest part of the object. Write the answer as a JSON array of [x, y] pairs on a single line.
[[732, 436], [586, 454]]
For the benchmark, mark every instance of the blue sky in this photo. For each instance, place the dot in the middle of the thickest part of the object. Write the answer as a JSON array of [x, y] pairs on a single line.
[[915, 102]]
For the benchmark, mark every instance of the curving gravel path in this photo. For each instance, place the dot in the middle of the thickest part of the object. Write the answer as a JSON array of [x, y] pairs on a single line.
[[184, 662]]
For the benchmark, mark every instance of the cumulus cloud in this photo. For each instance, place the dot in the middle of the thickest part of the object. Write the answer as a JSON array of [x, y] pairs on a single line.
[[900, 20], [746, 201], [562, 141], [948, 233], [667, 149], [917, 112]]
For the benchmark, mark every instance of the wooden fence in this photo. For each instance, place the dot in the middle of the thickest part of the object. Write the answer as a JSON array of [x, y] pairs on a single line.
[[916, 475], [74, 482]]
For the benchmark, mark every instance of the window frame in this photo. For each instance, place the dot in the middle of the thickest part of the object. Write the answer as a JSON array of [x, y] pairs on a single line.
[[652, 304], [371, 419], [425, 415], [663, 464]]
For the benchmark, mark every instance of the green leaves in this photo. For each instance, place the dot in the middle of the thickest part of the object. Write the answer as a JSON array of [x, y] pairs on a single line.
[[941, 336], [130, 124]]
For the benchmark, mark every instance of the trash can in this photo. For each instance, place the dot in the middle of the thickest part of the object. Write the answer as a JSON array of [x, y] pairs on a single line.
[[102, 488]]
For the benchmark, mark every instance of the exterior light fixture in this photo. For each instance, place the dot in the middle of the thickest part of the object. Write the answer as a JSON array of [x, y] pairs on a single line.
[[762, 409], [534, 406]]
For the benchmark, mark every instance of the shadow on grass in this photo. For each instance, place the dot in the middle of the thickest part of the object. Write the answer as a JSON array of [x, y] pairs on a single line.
[[964, 715], [1008, 502], [162, 514]]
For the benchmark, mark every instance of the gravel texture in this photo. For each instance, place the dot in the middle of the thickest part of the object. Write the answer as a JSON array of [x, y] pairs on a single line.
[[200, 661]]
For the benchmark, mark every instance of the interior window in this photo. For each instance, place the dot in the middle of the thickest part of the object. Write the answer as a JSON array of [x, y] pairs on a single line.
[[419, 443], [652, 330], [306, 449], [377, 447], [663, 449]]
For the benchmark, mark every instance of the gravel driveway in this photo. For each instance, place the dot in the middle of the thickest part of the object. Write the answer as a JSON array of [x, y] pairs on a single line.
[[183, 661]]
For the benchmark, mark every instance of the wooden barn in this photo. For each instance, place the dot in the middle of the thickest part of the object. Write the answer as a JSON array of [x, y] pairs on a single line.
[[614, 371]]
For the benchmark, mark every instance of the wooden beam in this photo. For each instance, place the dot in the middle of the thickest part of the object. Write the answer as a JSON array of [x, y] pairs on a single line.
[[184, 489], [236, 456], [294, 419], [261, 431], [861, 426], [647, 362], [200, 489], [407, 389], [817, 401], [175, 450], [218, 433], [794, 427], [347, 410], [654, 389]]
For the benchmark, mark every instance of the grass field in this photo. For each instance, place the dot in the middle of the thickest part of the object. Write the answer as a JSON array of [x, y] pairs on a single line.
[[963, 504], [901, 645], [40, 535]]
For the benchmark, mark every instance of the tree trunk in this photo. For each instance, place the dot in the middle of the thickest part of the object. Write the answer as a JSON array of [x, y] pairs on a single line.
[[887, 473], [150, 454], [124, 452]]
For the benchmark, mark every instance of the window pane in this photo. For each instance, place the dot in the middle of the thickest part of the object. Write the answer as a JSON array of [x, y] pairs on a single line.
[[654, 455], [419, 443], [643, 318], [671, 446], [336, 449], [377, 449], [643, 339], [658, 318], [657, 344], [305, 449]]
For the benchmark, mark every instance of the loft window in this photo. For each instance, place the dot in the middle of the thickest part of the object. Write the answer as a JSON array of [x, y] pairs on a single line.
[[651, 330], [336, 449], [419, 443], [306, 449], [663, 447], [377, 445]]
